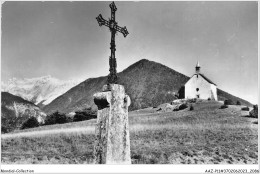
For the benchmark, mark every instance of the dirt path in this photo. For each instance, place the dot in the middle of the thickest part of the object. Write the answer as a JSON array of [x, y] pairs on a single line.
[[90, 130]]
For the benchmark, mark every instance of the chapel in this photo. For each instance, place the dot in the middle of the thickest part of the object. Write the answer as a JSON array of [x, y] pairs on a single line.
[[199, 86]]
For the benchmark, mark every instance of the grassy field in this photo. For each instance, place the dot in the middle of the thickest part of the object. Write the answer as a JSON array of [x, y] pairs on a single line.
[[206, 135]]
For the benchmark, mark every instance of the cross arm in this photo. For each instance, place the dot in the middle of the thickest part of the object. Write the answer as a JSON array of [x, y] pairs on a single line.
[[122, 30], [102, 21]]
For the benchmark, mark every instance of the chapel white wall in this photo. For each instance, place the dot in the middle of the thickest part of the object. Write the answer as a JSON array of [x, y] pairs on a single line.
[[206, 90]]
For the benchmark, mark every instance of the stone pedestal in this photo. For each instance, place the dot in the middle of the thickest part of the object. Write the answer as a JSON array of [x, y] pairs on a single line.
[[112, 143]]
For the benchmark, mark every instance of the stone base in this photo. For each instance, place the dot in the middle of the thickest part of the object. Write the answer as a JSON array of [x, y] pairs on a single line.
[[112, 143]]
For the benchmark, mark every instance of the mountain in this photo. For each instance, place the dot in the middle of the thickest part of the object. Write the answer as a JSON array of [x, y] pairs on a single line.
[[146, 82], [15, 110], [40, 90]]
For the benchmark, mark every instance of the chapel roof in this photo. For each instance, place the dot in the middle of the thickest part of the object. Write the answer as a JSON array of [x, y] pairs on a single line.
[[208, 80]]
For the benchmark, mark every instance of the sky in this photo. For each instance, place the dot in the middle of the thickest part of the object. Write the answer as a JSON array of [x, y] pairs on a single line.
[[64, 40]]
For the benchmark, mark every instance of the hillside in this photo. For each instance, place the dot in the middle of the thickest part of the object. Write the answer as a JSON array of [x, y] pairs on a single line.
[[146, 82], [205, 135], [222, 95], [40, 90], [15, 110]]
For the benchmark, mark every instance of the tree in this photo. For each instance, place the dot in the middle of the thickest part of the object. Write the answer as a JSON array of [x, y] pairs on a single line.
[[30, 123], [238, 103], [56, 118]]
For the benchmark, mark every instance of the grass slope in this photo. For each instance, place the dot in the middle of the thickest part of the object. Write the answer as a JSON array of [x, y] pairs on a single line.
[[207, 135]]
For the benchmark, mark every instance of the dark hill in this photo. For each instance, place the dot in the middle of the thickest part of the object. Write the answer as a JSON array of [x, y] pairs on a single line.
[[146, 82], [15, 111], [7, 99]]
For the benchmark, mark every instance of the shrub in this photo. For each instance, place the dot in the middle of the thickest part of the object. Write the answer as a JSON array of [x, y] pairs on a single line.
[[193, 100], [30, 123], [209, 99], [223, 106], [245, 108], [191, 108], [81, 116], [228, 102], [56, 118], [4, 130], [238, 103], [183, 106]]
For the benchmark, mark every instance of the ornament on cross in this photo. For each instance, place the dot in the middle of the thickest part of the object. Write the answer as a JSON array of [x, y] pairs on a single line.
[[112, 25]]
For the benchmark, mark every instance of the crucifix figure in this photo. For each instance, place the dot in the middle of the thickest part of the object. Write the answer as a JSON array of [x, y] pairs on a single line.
[[112, 25]]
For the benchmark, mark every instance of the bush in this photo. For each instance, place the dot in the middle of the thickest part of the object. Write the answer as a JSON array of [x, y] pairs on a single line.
[[209, 99], [4, 130], [30, 123], [183, 106], [245, 108], [56, 118], [191, 108], [223, 106], [193, 100], [238, 103], [81, 116], [228, 102]]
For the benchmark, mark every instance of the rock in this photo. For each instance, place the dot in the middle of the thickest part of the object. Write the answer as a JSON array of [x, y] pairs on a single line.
[[112, 144], [180, 107], [245, 108], [165, 107], [254, 112]]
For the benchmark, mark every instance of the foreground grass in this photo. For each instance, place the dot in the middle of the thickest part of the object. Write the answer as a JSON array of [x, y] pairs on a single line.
[[205, 135]]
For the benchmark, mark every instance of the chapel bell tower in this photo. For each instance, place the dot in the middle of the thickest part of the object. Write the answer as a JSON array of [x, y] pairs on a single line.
[[197, 68]]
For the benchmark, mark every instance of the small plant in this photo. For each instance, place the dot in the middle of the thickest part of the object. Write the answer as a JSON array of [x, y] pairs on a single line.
[[191, 108], [228, 102], [193, 100], [30, 123], [223, 106], [209, 99], [245, 108]]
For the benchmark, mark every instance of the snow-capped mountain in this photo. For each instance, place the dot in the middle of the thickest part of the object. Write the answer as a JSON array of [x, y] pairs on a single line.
[[38, 90]]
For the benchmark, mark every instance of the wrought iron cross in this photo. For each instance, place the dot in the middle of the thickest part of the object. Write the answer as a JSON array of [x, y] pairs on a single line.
[[112, 25]]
